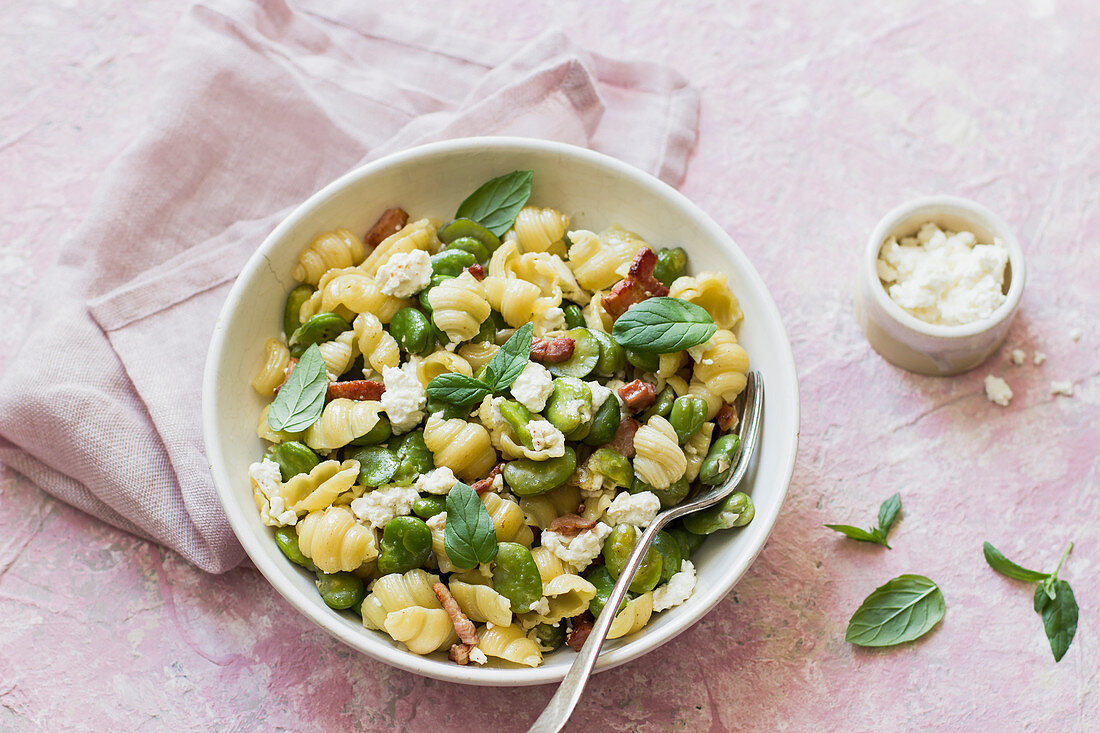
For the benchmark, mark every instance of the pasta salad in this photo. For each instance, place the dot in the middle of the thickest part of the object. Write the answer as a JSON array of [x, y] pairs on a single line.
[[471, 422]]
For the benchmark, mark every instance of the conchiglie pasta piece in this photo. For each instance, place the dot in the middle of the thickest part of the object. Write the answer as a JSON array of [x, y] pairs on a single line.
[[350, 291], [441, 362], [481, 603], [658, 459], [422, 630], [695, 450], [313, 491], [550, 565], [516, 300], [510, 644], [273, 371], [478, 353], [341, 422], [633, 618], [330, 250], [566, 596], [264, 430], [543, 509], [709, 291], [723, 366], [464, 447], [537, 230], [396, 591], [339, 354], [419, 234], [508, 519], [459, 306], [700, 390], [377, 346], [334, 541]]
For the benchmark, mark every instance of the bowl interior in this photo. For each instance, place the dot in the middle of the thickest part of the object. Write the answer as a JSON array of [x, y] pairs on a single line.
[[596, 191]]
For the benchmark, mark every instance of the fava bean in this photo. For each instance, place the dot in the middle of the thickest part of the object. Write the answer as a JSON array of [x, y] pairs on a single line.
[[291, 320], [406, 543], [516, 576], [604, 423], [687, 416], [427, 507], [586, 353], [380, 433], [377, 465], [669, 497], [452, 262], [612, 356], [662, 405], [318, 329], [413, 457], [569, 405], [518, 417], [294, 458], [472, 246], [287, 540], [550, 637], [340, 590], [736, 510], [529, 478], [716, 466], [671, 262], [458, 228], [613, 466], [671, 557], [604, 583], [647, 361], [413, 331], [574, 316], [688, 541], [616, 551]]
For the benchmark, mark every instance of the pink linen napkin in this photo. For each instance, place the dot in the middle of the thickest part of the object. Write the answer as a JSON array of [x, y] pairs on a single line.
[[261, 104]]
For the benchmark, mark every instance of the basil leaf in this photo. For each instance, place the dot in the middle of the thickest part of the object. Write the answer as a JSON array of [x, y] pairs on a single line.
[[495, 203], [855, 533], [458, 389], [510, 359], [468, 534], [1006, 567], [1060, 619], [301, 399], [663, 325], [902, 610], [888, 513]]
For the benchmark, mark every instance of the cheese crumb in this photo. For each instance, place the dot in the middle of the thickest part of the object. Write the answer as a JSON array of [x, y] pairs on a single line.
[[378, 507], [404, 397], [578, 551], [600, 394], [546, 440], [1039, 358], [638, 509], [438, 481], [405, 274], [1064, 388], [1018, 356], [477, 656], [677, 590], [267, 480], [533, 386], [1075, 334], [997, 390]]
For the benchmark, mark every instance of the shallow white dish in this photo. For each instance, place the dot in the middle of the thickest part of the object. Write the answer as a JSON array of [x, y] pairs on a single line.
[[432, 180]]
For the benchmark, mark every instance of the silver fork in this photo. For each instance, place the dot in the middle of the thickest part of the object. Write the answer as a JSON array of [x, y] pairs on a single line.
[[561, 705]]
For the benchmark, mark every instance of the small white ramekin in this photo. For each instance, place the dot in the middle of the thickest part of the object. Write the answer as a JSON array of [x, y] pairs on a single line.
[[925, 348]]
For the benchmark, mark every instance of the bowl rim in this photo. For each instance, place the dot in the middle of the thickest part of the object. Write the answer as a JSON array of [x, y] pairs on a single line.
[[334, 624], [964, 209]]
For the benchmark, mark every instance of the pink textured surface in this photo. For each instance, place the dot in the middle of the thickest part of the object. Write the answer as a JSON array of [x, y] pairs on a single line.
[[815, 122]]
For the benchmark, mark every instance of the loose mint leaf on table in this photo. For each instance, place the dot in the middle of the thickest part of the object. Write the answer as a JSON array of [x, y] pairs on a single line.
[[495, 203], [1006, 567], [663, 325], [902, 610], [458, 389], [855, 533], [887, 515], [469, 537], [510, 359], [302, 397]]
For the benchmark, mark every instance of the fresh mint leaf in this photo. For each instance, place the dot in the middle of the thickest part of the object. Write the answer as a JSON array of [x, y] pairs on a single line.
[[458, 389], [855, 533], [1006, 567], [663, 325], [469, 537], [1042, 597], [1060, 619], [887, 515], [510, 359], [902, 610], [495, 203], [302, 398]]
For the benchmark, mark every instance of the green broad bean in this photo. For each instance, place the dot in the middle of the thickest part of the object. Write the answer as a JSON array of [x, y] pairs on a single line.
[[340, 590], [662, 405], [458, 228], [291, 320], [604, 423], [688, 541], [380, 433], [647, 361], [613, 466], [580, 433], [716, 466], [550, 637], [612, 356], [574, 316], [616, 551], [671, 262], [569, 405], [669, 497], [518, 416], [406, 543], [452, 261], [530, 478], [671, 556], [487, 333], [377, 464], [449, 410], [427, 507], [412, 330], [294, 458], [736, 510], [413, 458], [287, 540], [471, 246], [586, 353], [436, 279], [604, 583], [687, 416], [516, 576], [318, 329]]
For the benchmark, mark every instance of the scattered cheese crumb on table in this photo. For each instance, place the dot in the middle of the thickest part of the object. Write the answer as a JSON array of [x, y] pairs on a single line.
[[997, 390], [1018, 356], [1061, 387], [1039, 358]]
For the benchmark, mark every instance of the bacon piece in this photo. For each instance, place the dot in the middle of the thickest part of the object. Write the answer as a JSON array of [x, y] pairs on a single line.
[[464, 627], [623, 440], [570, 525], [356, 389], [477, 271], [726, 417], [460, 653], [638, 285], [581, 627], [552, 351], [289, 368], [486, 484], [638, 395], [391, 222]]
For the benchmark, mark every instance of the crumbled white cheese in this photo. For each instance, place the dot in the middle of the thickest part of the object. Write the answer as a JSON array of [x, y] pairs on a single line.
[[600, 395], [437, 481], [405, 274], [381, 505], [546, 439], [1064, 388], [579, 407], [997, 390], [498, 483], [278, 514], [1018, 356], [944, 278], [1039, 358], [1075, 334], [677, 590], [477, 656], [267, 480], [404, 397], [551, 319], [578, 551], [533, 386], [637, 509], [436, 522]]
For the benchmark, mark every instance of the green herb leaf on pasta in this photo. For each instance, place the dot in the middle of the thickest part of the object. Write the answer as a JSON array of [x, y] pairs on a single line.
[[302, 398], [1006, 567], [663, 325], [510, 359], [458, 389], [495, 203], [469, 537], [902, 610]]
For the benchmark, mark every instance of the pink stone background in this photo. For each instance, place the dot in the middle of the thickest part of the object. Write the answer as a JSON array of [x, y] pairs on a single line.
[[816, 119]]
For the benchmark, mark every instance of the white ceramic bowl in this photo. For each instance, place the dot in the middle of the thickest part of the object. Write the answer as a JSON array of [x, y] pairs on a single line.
[[910, 343], [431, 181]]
